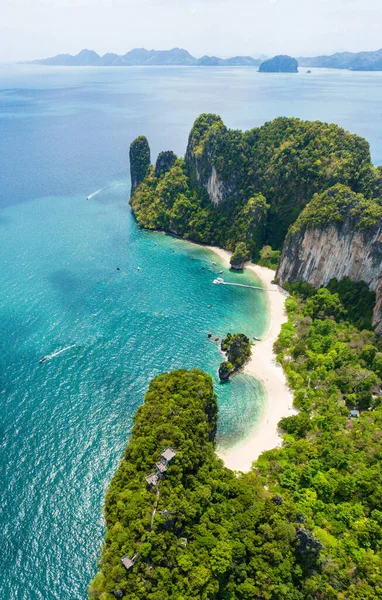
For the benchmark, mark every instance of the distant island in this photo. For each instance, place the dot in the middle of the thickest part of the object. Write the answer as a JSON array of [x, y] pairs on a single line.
[[142, 57], [279, 64], [360, 61]]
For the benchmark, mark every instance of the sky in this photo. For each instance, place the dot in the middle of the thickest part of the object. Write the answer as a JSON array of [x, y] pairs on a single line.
[[40, 28]]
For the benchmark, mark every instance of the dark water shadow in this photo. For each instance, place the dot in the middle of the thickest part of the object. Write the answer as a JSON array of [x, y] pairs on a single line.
[[70, 289]]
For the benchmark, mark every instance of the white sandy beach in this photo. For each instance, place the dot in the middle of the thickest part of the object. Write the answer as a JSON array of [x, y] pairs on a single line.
[[264, 367]]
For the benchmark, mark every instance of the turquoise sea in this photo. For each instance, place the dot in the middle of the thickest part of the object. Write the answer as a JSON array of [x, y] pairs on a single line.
[[64, 134]]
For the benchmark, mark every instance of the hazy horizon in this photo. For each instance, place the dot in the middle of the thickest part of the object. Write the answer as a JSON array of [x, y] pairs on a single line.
[[32, 29]]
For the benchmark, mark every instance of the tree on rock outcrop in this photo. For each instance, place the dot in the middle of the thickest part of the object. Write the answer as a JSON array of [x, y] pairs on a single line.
[[239, 257], [139, 161]]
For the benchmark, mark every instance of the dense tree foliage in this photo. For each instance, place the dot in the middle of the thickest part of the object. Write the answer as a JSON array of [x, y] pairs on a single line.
[[305, 524], [269, 258], [356, 300], [238, 349], [262, 180], [330, 464], [335, 205], [164, 162], [239, 256], [139, 160], [212, 534]]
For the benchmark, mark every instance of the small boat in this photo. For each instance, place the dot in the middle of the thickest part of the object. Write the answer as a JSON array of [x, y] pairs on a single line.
[[214, 264], [117, 269], [218, 280], [43, 359], [138, 268], [221, 272], [257, 339]]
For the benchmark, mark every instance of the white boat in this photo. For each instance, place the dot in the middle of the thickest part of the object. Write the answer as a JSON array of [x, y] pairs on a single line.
[[218, 280]]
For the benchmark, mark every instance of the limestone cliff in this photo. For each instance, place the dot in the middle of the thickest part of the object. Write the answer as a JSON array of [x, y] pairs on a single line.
[[139, 161], [286, 160], [164, 162], [316, 251], [201, 158]]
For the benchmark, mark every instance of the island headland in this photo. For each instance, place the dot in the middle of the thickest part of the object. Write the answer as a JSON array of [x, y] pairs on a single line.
[[305, 520], [261, 187]]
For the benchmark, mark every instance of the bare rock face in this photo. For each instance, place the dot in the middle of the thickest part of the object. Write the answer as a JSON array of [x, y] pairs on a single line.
[[317, 255], [215, 188], [202, 150]]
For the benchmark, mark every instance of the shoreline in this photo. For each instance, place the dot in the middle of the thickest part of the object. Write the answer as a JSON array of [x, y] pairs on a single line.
[[262, 365]]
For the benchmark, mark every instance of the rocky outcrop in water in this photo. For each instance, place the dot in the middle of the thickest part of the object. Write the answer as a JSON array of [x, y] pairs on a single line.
[[238, 258], [344, 243], [238, 349], [139, 161]]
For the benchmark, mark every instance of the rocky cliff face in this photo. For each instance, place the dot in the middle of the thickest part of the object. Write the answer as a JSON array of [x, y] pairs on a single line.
[[204, 147], [317, 255]]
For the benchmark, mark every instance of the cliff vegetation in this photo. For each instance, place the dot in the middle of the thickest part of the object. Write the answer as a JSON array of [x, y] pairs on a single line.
[[250, 187], [305, 523], [238, 350]]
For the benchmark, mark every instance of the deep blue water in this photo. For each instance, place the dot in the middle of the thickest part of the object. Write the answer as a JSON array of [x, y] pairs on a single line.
[[64, 133]]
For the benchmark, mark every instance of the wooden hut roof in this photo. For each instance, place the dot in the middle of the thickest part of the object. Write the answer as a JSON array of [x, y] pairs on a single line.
[[127, 561], [161, 467], [152, 479], [168, 454]]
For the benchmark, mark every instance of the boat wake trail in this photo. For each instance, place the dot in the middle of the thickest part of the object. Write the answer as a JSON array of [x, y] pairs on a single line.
[[54, 354], [97, 192]]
